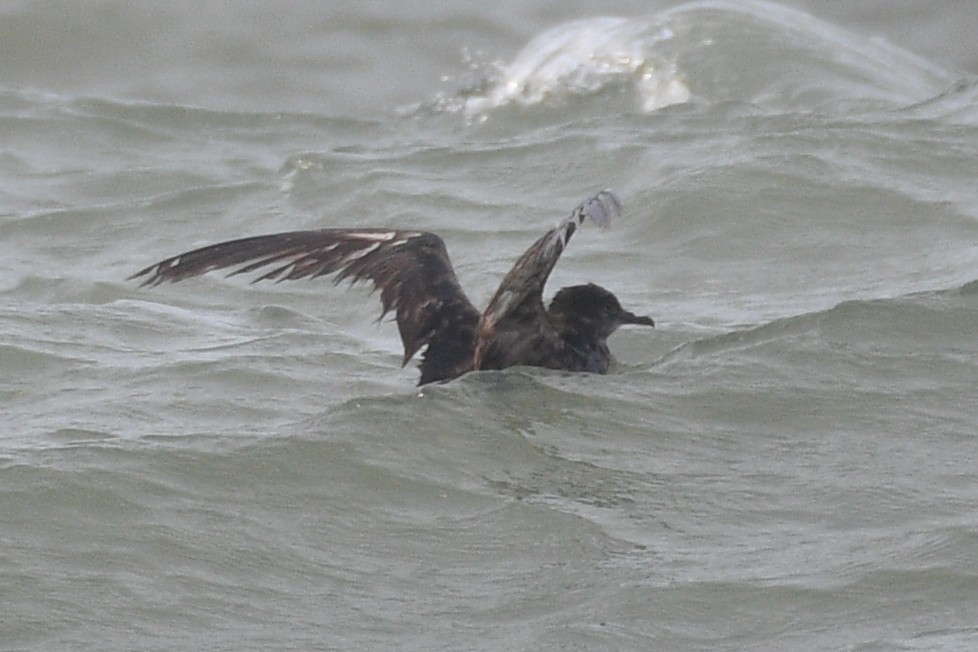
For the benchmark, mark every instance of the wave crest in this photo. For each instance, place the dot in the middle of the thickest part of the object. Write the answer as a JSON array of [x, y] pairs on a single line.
[[580, 58], [717, 51]]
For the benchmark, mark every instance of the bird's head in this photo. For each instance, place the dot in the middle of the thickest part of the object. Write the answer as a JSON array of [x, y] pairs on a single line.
[[591, 311]]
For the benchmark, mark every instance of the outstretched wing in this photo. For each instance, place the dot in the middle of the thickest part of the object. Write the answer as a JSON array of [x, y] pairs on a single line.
[[410, 268], [519, 299]]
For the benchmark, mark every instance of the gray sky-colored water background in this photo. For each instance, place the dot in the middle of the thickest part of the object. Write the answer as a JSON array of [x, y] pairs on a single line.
[[786, 462]]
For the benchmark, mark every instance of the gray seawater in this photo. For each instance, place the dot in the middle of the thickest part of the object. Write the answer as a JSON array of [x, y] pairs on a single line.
[[787, 462]]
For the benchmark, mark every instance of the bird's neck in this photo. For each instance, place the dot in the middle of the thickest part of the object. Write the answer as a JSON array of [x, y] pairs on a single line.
[[578, 332], [586, 348]]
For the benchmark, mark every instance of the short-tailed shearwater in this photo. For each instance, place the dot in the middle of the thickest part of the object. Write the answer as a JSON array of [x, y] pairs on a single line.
[[416, 280]]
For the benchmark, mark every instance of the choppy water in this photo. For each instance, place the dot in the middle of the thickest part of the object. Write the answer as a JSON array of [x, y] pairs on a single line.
[[787, 462]]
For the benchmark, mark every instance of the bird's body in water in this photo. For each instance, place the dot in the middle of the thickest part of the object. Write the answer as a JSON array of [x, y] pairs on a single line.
[[416, 280]]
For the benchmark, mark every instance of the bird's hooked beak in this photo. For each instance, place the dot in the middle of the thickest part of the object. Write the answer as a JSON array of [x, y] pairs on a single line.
[[632, 318]]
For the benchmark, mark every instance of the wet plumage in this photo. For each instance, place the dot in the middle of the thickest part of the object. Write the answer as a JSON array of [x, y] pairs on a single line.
[[416, 280]]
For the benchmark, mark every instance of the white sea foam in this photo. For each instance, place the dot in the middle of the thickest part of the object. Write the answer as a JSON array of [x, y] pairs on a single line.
[[583, 57], [715, 51]]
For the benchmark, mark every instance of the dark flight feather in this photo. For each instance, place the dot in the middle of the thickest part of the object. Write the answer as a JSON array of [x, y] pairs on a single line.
[[410, 268]]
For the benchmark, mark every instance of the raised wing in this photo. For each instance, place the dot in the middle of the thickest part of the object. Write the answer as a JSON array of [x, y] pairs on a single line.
[[519, 300], [410, 268]]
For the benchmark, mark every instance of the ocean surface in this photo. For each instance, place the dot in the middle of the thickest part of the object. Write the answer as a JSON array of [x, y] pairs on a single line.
[[789, 461]]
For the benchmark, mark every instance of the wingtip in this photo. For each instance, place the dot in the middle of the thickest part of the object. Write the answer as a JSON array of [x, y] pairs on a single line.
[[146, 281], [603, 207]]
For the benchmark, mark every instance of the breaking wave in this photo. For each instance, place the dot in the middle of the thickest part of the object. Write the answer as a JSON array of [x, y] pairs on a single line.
[[715, 51]]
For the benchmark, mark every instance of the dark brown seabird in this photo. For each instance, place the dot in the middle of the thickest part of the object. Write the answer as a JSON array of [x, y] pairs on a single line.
[[416, 280]]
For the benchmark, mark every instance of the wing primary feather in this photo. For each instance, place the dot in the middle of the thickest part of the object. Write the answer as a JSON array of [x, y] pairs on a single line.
[[411, 269]]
